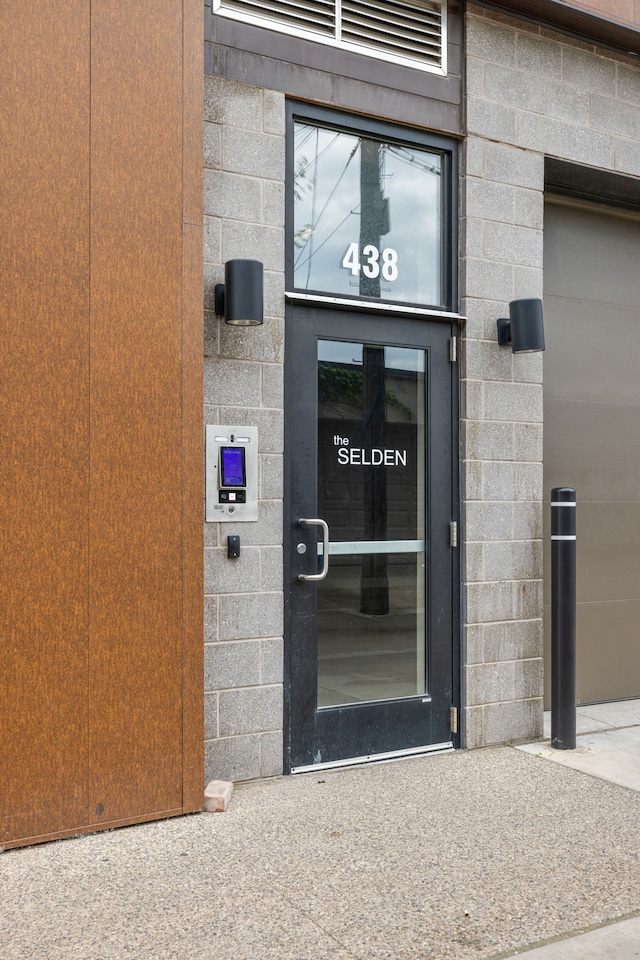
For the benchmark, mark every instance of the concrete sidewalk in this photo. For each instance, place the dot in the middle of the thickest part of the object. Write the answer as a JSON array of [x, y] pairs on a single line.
[[455, 856]]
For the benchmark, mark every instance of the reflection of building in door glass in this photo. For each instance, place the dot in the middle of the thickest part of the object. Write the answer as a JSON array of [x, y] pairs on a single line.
[[367, 217]]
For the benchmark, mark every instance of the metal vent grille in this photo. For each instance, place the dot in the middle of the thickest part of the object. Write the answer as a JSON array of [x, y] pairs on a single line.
[[315, 16], [401, 31], [411, 30]]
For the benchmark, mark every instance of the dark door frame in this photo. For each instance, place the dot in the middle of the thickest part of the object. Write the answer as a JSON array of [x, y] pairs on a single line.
[[304, 445]]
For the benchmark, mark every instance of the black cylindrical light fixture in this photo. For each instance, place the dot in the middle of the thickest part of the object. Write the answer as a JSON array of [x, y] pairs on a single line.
[[240, 300], [527, 327]]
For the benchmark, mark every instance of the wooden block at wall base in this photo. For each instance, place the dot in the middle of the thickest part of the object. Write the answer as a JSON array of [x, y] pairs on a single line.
[[217, 795]]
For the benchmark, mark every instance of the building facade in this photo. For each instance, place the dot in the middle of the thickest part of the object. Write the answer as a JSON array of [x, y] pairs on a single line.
[[377, 468], [548, 119]]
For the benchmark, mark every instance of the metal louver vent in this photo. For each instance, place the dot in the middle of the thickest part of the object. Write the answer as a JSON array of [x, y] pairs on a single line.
[[402, 31], [409, 29], [316, 16]]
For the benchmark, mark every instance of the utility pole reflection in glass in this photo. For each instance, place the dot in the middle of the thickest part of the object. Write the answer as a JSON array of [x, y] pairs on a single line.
[[374, 223]]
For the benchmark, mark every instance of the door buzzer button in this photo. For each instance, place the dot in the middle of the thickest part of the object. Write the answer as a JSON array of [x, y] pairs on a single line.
[[232, 496]]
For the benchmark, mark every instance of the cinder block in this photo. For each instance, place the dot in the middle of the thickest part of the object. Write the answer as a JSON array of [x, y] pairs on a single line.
[[582, 69], [258, 154], [513, 88], [240, 575], [489, 201], [473, 153], [271, 754], [528, 208], [269, 424], [217, 795], [510, 243], [474, 643], [210, 619], [272, 385], [474, 727], [512, 640], [588, 146], [491, 120], [520, 402], [507, 164], [226, 101], [271, 573], [233, 196], [233, 381], [250, 710], [512, 560], [233, 664], [210, 716], [627, 156], [568, 103], [628, 84], [536, 132], [251, 615], [272, 660], [212, 240], [487, 602], [513, 720], [273, 203], [540, 57], [527, 599], [491, 41], [272, 477], [483, 359], [212, 146], [489, 682], [265, 342], [482, 278], [488, 521], [273, 111], [232, 758], [488, 440], [263, 242]]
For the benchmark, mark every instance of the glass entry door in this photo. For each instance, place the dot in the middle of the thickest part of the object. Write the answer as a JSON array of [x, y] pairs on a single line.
[[371, 492], [370, 498]]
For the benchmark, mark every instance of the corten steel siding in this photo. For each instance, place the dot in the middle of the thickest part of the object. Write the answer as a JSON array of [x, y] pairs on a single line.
[[101, 589]]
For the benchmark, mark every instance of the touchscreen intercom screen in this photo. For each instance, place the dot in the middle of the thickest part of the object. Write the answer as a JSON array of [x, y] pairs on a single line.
[[233, 471]]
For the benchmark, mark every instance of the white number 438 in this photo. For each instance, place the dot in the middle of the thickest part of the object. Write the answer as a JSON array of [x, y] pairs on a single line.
[[371, 266]]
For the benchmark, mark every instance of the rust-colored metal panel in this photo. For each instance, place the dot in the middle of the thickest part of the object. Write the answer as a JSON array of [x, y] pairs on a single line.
[[44, 406], [136, 584], [101, 674], [193, 410]]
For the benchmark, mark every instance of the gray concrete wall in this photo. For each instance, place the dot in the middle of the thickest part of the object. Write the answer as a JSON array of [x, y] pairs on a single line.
[[530, 93], [244, 217]]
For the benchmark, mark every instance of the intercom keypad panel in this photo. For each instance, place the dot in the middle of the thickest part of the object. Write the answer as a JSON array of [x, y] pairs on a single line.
[[231, 473]]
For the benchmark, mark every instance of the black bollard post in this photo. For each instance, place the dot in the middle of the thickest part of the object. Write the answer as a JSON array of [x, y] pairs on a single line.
[[563, 618]]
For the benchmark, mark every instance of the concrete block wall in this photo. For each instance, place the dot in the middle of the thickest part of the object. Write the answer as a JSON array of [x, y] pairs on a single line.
[[530, 93], [244, 217]]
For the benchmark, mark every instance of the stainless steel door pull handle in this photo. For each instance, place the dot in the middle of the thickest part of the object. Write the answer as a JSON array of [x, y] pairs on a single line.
[[325, 550]]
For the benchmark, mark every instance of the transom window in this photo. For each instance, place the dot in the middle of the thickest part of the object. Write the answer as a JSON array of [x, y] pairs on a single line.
[[370, 217], [411, 32]]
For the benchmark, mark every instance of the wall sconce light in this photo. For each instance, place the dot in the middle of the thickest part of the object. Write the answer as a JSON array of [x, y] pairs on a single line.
[[240, 298], [524, 329]]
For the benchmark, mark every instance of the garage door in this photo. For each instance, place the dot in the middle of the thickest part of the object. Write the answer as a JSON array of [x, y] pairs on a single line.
[[592, 432]]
